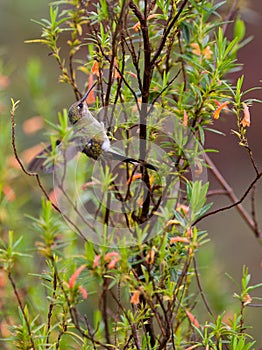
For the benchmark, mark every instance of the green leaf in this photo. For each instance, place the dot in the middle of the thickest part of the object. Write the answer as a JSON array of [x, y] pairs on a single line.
[[196, 193], [239, 29]]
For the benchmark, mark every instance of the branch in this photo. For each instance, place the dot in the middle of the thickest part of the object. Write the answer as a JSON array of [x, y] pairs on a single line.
[[10, 277], [236, 202], [253, 207], [163, 90], [203, 296], [166, 33], [229, 16], [114, 51]]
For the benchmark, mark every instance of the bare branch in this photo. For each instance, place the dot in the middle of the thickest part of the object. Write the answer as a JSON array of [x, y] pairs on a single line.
[[236, 202]]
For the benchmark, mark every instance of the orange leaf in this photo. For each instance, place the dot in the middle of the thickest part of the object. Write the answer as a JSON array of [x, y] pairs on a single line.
[[117, 75], [221, 106], [96, 260], [196, 49], [135, 297], [133, 178], [95, 68], [207, 52], [137, 27], [75, 275], [185, 119], [246, 119], [113, 263], [173, 222], [179, 239], [113, 258], [111, 255], [192, 319], [83, 292], [150, 257], [247, 299]]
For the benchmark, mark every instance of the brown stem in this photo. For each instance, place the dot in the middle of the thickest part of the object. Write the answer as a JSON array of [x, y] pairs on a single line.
[[200, 287], [10, 277], [51, 307], [253, 208], [114, 43], [72, 78], [182, 62], [104, 310], [229, 15], [216, 192], [166, 33], [147, 76], [236, 202], [133, 325]]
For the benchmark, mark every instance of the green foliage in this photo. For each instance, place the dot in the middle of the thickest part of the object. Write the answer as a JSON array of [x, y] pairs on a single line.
[[173, 57], [8, 253]]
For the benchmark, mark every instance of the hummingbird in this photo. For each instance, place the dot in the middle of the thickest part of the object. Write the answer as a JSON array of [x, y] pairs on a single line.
[[90, 138]]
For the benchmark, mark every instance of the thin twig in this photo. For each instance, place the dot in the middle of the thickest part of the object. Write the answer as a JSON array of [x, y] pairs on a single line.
[[200, 287], [103, 304], [253, 207], [133, 325], [166, 33], [51, 307], [182, 62], [252, 160], [216, 192], [229, 15], [72, 77], [10, 277], [163, 90], [236, 202]]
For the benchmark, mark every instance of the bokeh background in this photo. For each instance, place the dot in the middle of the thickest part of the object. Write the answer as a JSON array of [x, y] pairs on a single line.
[[232, 244]]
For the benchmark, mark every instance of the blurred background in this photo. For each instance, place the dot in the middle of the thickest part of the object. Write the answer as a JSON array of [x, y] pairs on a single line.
[[34, 82]]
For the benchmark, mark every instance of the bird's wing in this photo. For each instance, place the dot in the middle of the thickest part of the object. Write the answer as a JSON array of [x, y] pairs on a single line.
[[88, 129], [40, 161], [46, 160]]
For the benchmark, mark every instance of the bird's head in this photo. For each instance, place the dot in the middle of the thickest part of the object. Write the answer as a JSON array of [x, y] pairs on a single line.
[[79, 109]]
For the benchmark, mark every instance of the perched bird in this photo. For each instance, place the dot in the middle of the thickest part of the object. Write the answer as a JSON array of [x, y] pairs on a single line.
[[90, 138]]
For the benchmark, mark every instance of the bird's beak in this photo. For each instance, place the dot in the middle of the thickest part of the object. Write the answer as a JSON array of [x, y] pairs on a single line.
[[88, 92]]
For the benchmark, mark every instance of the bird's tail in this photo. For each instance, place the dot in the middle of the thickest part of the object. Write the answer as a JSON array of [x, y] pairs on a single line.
[[121, 158]]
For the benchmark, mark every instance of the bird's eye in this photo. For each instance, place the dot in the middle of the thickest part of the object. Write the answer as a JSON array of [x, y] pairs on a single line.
[[80, 106]]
